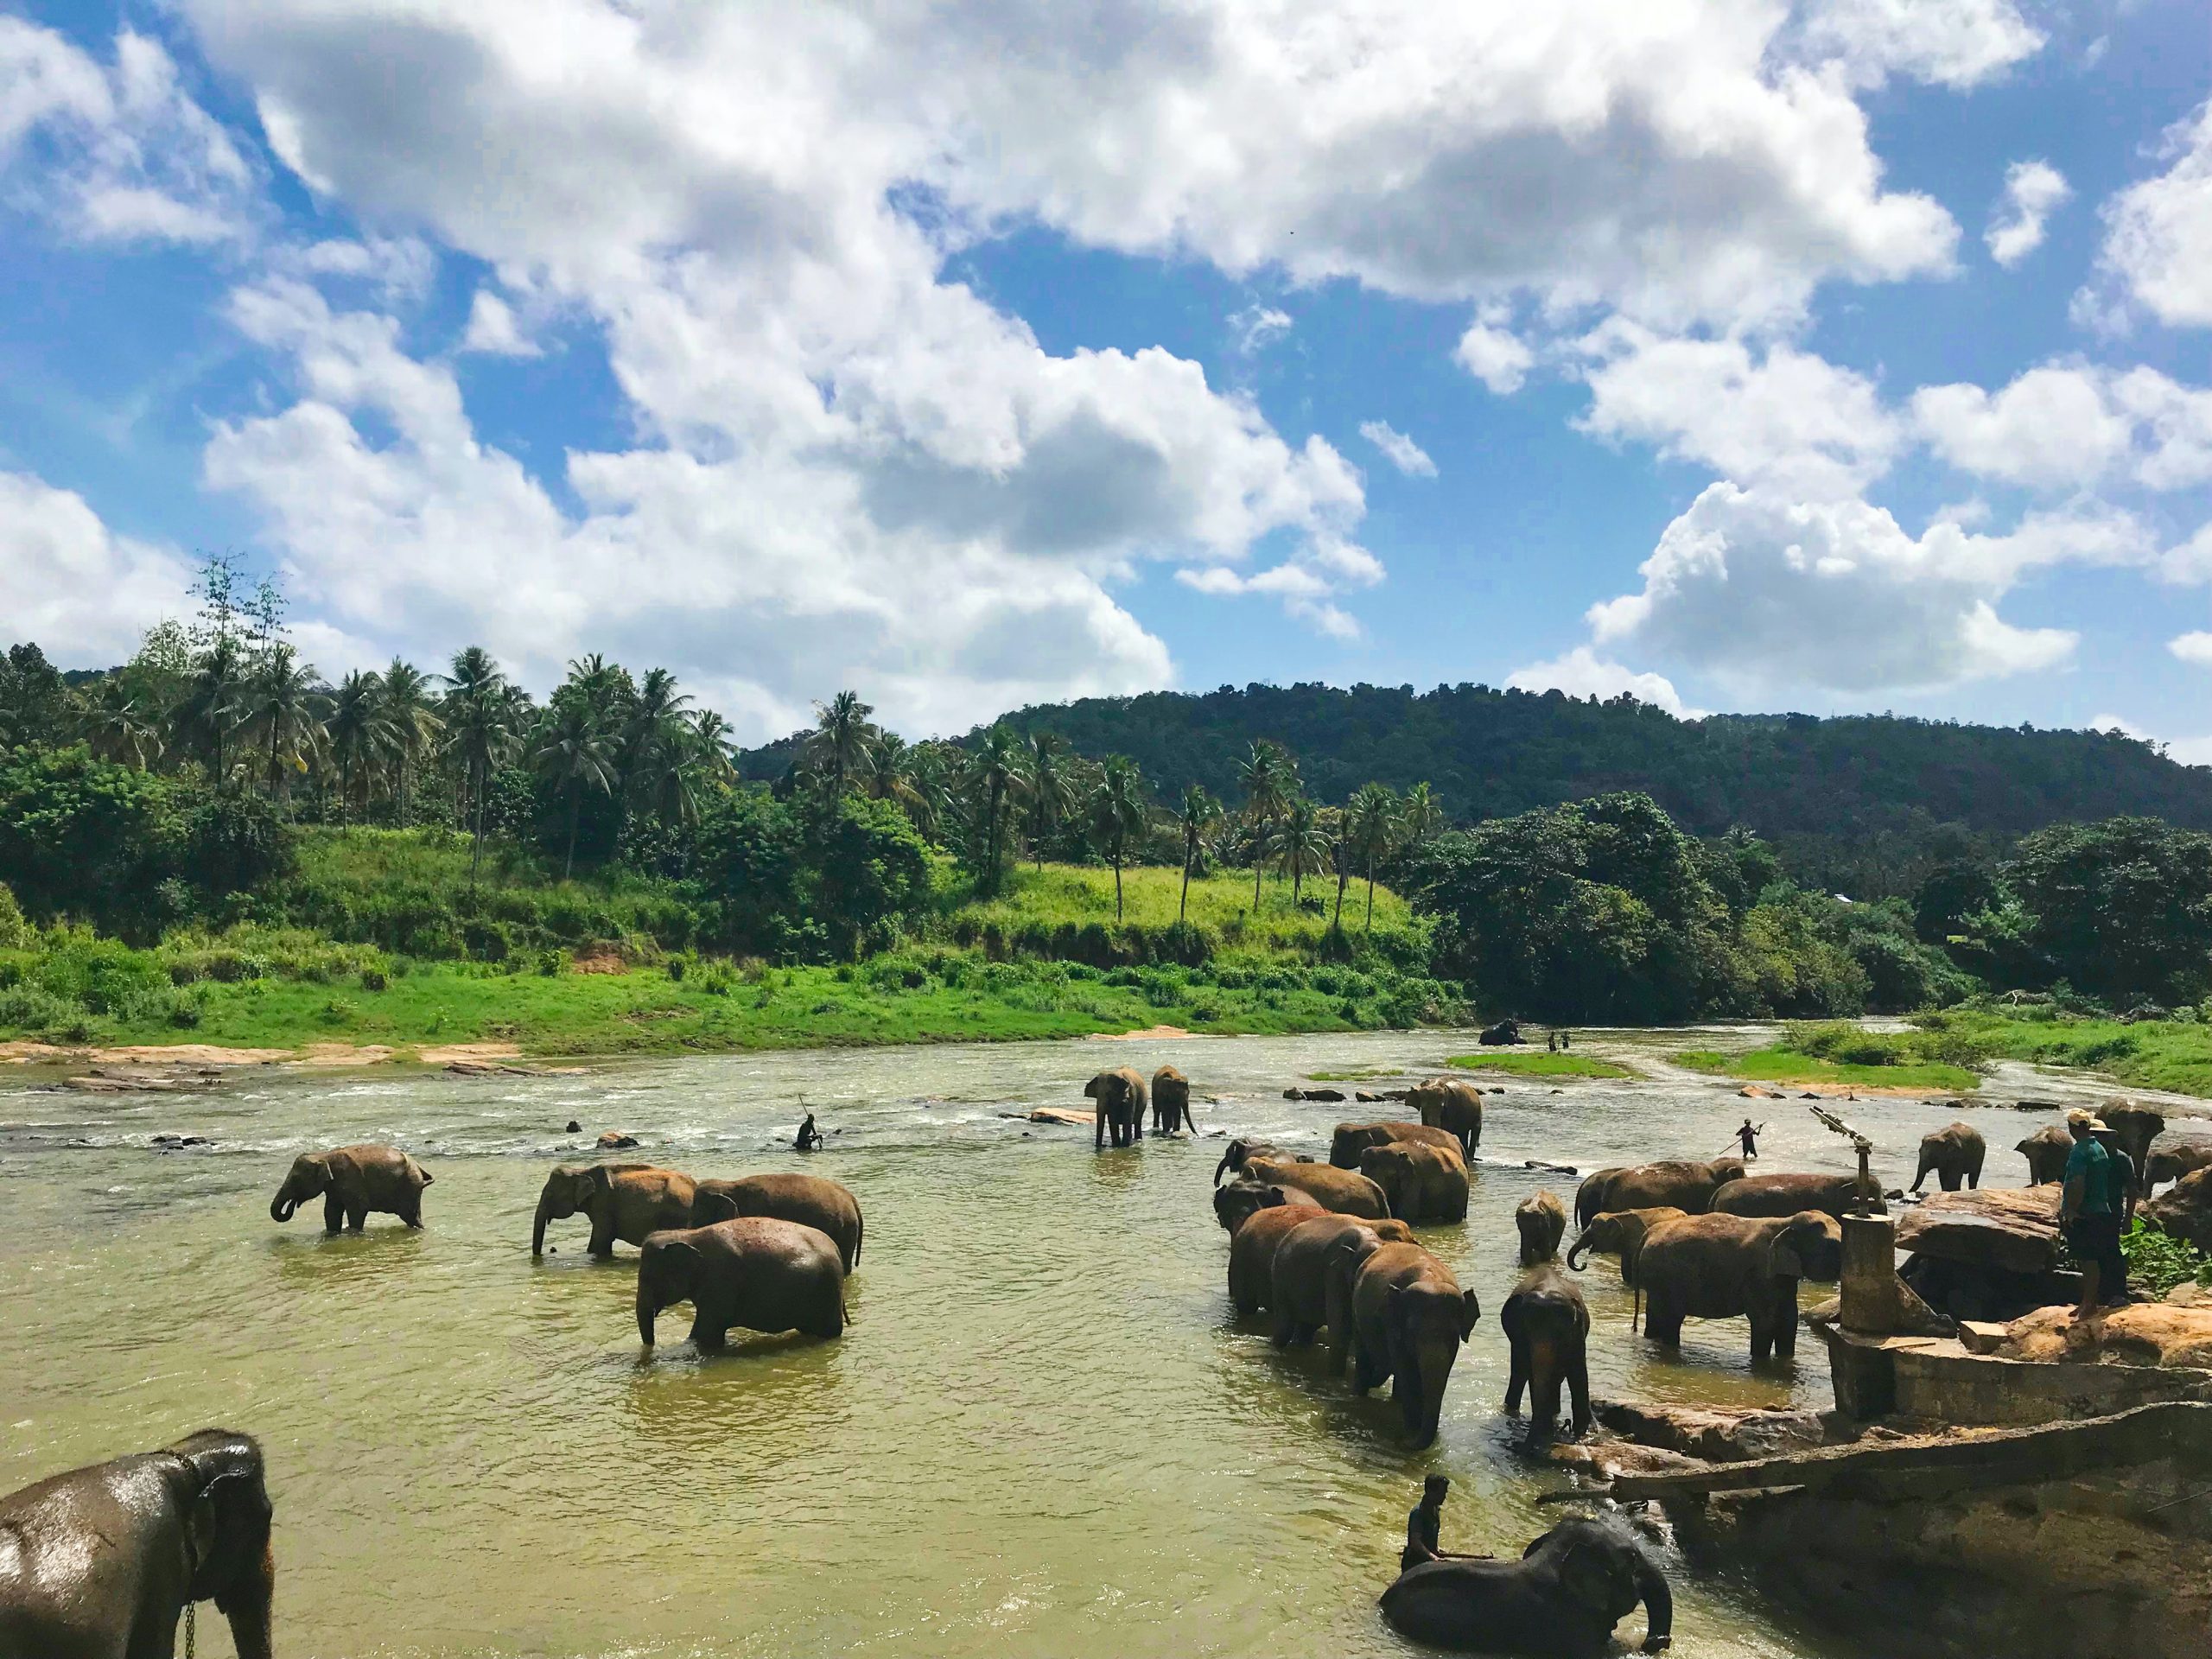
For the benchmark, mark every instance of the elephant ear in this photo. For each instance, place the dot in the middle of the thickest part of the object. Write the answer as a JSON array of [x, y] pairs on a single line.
[[1590, 1573], [315, 1166], [1471, 1312], [598, 1183], [707, 1208], [1783, 1261]]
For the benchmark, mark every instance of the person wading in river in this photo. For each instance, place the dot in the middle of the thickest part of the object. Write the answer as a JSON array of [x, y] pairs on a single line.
[[1424, 1524], [1748, 1138], [809, 1138], [2087, 1214]]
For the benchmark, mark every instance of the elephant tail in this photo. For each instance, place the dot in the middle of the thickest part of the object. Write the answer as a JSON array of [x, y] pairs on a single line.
[[860, 1234]]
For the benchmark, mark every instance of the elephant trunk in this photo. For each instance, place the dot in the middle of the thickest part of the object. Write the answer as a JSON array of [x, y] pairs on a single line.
[[537, 1230], [1658, 1606], [648, 1309], [246, 1604], [1222, 1168], [1580, 1247], [280, 1208]]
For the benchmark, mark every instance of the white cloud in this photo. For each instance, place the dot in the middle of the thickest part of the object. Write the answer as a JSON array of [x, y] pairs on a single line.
[[1582, 673], [1947, 42], [492, 329], [1761, 591], [1495, 356], [2192, 648], [1781, 416], [2158, 233], [85, 594], [2051, 427], [2190, 562], [116, 152], [1401, 451], [1259, 326], [2033, 190]]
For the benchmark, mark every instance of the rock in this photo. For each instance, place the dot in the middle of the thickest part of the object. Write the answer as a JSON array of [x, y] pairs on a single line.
[[1393, 1094], [179, 1142], [1497, 1089], [1752, 1091], [1981, 1336], [1809, 1095], [1066, 1116], [2143, 1333], [2184, 1209], [2013, 1229], [1293, 1093], [574, 1127], [1326, 1095], [615, 1140], [2038, 1105], [1717, 1435], [2190, 1293], [1365, 1095]]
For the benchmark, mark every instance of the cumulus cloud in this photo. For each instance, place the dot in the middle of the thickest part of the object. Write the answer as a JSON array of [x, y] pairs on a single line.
[[1495, 356], [115, 152], [1947, 42], [492, 329], [1758, 590], [2157, 244], [2192, 648], [67, 580], [1401, 451], [2066, 426], [2033, 190], [1258, 327], [1582, 673]]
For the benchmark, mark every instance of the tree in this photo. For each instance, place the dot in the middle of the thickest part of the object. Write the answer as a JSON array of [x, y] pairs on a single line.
[[411, 725], [479, 729], [119, 728], [1268, 779], [1304, 846], [280, 705], [2121, 908], [995, 778], [841, 740], [655, 728], [1119, 812], [208, 711], [355, 729], [1050, 788], [1420, 819], [572, 754], [1197, 813], [33, 699], [1371, 824]]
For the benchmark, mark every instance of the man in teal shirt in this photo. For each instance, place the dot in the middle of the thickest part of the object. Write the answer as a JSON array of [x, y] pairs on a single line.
[[2088, 1215]]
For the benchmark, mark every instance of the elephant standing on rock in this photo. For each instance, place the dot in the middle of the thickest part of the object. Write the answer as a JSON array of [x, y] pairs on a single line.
[[1546, 1324], [811, 1200], [1686, 1184], [756, 1272], [1235, 1204], [352, 1181], [1120, 1094], [1782, 1194], [1541, 1219], [2045, 1151], [1420, 1183], [1451, 1104], [1560, 1600], [1723, 1266], [1171, 1102], [1408, 1318], [100, 1562], [1351, 1140], [1952, 1153], [1310, 1283], [624, 1201], [1341, 1189]]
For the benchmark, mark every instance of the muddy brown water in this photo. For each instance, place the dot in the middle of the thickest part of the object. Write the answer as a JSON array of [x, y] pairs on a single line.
[[1043, 1433]]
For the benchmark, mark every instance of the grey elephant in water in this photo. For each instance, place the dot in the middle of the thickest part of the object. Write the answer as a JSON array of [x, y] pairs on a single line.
[[1560, 1600], [1546, 1326], [1541, 1218], [1235, 1205], [1784, 1194], [100, 1562], [1723, 1266], [626, 1201], [756, 1272], [1451, 1104], [352, 1181], [1351, 1140], [1120, 1094], [811, 1200], [1683, 1184], [1408, 1318], [1171, 1102], [1953, 1153], [2045, 1151]]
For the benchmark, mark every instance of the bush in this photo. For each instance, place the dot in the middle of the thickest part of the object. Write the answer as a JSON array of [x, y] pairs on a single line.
[[15, 932]]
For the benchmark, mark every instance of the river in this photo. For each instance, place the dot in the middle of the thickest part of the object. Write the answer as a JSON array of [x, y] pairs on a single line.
[[1042, 1434]]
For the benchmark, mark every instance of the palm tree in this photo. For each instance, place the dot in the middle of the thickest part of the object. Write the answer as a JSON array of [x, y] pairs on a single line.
[[1269, 780], [411, 725], [1303, 846], [653, 733], [1118, 811], [120, 728], [480, 724], [1050, 791], [715, 745], [1370, 829], [571, 754], [841, 739], [209, 710], [356, 729], [281, 702], [1420, 817], [1197, 813], [996, 778]]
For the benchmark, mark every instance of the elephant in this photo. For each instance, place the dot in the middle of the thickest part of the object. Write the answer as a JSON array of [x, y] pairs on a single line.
[[1721, 1267], [1542, 1219], [1505, 1033], [1310, 1282], [811, 1200], [1547, 1325], [354, 1180], [1235, 1204], [1953, 1153], [1622, 1233], [2176, 1154], [1686, 1184], [1241, 1151], [1451, 1104], [1352, 1138], [624, 1201], [763, 1273], [2185, 1210], [1343, 1191], [1560, 1600], [1171, 1102], [2135, 1127], [1783, 1194], [2046, 1151], [1408, 1318], [101, 1562], [1120, 1097], [1252, 1254], [1420, 1183]]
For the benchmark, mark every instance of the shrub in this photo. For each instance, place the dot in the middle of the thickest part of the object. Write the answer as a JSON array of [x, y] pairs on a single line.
[[15, 932]]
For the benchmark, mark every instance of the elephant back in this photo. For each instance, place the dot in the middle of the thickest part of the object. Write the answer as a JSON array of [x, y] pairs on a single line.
[[1779, 1194]]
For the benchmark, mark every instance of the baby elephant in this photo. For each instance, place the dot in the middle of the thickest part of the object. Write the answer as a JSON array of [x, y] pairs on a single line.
[[352, 1181], [756, 1272], [1542, 1219]]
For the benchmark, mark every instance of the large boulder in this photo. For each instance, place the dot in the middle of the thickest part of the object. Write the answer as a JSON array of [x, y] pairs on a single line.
[[2013, 1229], [2143, 1333], [2185, 1210], [1716, 1433]]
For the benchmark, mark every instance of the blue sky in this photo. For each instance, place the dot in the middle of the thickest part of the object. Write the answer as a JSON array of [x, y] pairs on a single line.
[[1844, 355]]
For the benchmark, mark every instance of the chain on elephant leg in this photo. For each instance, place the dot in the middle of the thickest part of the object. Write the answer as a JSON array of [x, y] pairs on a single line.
[[191, 1627]]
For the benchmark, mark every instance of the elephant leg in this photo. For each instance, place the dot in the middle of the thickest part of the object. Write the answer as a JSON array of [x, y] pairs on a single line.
[[1337, 1310], [1543, 1412], [1974, 1180], [1578, 1388], [333, 1213], [1365, 1374], [1663, 1320], [709, 1333], [1950, 1180], [602, 1241], [1518, 1379], [1285, 1330], [412, 1215], [357, 1217]]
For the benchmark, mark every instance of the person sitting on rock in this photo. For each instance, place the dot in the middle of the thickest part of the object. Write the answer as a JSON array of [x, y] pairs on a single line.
[[1424, 1528], [809, 1137]]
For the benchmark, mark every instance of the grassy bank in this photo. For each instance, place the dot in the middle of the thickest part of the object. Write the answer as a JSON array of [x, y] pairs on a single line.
[[1546, 1064], [2169, 1054], [1842, 1054]]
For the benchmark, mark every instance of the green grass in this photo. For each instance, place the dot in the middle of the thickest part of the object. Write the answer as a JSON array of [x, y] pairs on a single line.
[[1782, 1063], [2173, 1055], [1546, 1064], [1078, 895]]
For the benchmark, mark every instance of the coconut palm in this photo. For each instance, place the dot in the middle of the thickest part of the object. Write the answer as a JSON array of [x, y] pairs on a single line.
[[1302, 847], [480, 728], [1269, 781], [572, 753], [717, 746], [411, 725], [208, 712], [1420, 818], [1118, 812], [1197, 813], [995, 777], [282, 705], [1372, 820], [121, 727], [355, 729], [841, 739], [654, 728], [1050, 790]]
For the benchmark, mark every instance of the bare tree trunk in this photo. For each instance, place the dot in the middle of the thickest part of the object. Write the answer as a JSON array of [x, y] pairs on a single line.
[[1183, 910]]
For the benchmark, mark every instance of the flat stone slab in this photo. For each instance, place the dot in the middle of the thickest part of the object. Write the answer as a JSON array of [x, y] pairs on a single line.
[[2012, 1228]]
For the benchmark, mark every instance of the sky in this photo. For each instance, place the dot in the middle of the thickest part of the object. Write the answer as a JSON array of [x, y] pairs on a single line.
[[1831, 357]]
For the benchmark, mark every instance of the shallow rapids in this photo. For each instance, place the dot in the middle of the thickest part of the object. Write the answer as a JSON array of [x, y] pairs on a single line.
[[1042, 1434]]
